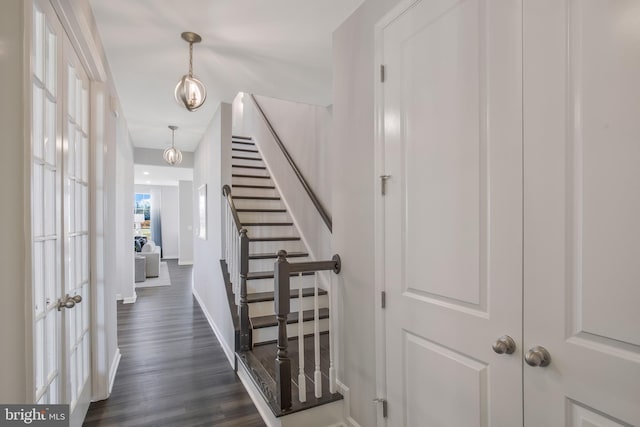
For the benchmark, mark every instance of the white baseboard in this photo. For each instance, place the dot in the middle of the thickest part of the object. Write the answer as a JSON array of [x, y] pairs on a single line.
[[114, 369], [130, 300], [227, 350], [346, 393]]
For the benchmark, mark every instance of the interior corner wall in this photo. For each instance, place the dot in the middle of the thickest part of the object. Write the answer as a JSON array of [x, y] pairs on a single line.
[[185, 219], [124, 204], [353, 190], [14, 192], [208, 284]]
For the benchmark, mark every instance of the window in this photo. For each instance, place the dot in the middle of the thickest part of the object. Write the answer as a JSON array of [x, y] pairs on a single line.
[[142, 215]]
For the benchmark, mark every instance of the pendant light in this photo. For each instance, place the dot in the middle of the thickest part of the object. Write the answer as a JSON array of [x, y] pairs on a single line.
[[172, 155], [190, 91]]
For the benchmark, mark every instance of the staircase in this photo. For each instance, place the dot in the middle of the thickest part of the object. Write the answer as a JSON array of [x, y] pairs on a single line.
[[270, 229], [259, 228]]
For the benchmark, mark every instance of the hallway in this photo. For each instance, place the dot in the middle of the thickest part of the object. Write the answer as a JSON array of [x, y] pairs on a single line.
[[173, 370]]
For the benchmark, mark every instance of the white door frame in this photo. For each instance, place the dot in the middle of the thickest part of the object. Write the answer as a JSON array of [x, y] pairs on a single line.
[[379, 218]]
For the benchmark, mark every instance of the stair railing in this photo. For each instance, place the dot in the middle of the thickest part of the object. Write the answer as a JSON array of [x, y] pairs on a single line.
[[283, 270], [237, 257], [314, 199]]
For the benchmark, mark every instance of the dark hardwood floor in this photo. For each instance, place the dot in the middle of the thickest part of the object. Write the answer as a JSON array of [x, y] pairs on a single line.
[[173, 371]]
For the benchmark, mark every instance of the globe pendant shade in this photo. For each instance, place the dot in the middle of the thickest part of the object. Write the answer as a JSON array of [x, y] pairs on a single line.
[[172, 156], [190, 92]]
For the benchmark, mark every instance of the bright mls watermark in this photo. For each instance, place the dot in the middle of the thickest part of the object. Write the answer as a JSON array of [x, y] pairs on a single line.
[[34, 415]]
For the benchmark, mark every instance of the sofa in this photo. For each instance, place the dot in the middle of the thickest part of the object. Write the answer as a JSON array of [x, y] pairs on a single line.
[[152, 254]]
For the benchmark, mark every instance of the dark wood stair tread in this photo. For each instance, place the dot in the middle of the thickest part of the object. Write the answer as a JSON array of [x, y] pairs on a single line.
[[256, 198], [261, 210], [257, 159], [249, 167], [264, 187], [245, 150], [236, 175], [269, 296], [268, 321], [274, 239], [274, 255], [240, 137], [267, 224], [257, 275]]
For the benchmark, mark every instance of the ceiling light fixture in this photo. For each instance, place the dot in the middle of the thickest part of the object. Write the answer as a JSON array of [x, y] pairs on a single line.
[[172, 155], [190, 91]]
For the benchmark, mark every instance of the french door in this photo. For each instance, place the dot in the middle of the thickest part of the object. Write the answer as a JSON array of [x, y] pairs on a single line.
[[511, 149], [60, 217]]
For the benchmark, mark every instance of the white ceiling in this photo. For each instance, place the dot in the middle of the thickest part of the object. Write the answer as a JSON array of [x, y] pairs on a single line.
[[277, 48]]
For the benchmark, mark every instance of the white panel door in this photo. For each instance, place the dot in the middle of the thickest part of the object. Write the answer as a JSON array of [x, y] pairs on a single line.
[[452, 134], [582, 211]]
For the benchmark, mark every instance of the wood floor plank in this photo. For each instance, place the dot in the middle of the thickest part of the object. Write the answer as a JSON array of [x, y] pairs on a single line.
[[173, 370]]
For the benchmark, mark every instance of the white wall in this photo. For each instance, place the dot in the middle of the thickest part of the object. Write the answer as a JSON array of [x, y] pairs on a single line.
[[14, 225], [208, 283], [167, 198], [185, 219], [353, 189], [124, 204], [152, 156], [304, 130]]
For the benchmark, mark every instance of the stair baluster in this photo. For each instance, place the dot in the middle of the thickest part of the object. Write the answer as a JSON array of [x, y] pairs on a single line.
[[317, 375], [302, 382]]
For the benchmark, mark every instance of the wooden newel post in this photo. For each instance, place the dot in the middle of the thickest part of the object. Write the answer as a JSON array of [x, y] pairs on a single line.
[[245, 327], [282, 306]]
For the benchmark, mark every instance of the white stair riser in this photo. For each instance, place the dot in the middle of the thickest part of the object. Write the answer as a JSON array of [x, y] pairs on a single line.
[[267, 285], [264, 217], [271, 231], [235, 144], [271, 247], [249, 181], [258, 204], [247, 162], [257, 192], [250, 171], [245, 153], [266, 308], [267, 264], [271, 333]]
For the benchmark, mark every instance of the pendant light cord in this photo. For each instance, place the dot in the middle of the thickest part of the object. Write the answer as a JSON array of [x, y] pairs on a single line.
[[190, 60]]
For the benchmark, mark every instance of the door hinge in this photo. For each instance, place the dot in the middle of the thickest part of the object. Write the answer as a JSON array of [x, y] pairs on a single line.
[[383, 299], [383, 183], [382, 73], [384, 406]]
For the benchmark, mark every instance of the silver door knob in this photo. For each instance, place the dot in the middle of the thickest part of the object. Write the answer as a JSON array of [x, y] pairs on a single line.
[[69, 302], [538, 356], [504, 345]]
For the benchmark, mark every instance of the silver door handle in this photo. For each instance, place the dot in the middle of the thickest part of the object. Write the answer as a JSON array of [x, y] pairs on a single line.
[[504, 345], [538, 356], [69, 302]]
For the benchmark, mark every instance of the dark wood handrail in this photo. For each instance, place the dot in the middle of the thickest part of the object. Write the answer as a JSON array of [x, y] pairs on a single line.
[[282, 276], [226, 191], [314, 199]]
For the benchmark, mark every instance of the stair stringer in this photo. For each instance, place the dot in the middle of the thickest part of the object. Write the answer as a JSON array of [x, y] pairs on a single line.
[[327, 415]]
